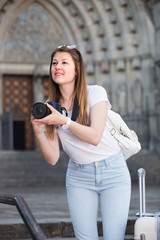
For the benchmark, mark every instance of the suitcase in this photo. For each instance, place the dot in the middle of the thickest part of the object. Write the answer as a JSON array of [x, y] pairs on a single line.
[[147, 226]]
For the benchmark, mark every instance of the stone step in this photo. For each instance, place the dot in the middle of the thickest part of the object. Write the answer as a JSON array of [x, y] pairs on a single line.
[[28, 168], [52, 230], [127, 237]]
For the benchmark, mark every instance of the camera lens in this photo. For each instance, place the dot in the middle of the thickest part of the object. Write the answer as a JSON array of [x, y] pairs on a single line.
[[40, 110]]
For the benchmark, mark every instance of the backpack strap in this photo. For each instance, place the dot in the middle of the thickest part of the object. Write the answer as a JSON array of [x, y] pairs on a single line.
[[114, 132]]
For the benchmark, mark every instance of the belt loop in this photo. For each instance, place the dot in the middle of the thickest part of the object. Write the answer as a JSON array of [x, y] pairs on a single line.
[[106, 162], [81, 166]]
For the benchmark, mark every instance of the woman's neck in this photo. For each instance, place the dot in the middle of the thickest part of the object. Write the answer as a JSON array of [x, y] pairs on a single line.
[[66, 99]]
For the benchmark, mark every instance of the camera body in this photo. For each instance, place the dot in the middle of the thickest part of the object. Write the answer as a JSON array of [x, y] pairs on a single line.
[[40, 110]]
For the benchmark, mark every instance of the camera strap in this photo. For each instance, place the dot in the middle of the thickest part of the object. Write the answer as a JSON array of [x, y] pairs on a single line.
[[75, 111]]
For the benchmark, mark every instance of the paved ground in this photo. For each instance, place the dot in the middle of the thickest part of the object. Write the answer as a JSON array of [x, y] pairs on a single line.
[[50, 204]]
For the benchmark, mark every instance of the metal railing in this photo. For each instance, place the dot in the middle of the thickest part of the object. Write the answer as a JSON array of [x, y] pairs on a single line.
[[23, 209]]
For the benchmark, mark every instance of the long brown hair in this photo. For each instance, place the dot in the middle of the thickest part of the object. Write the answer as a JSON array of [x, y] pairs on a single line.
[[80, 91]]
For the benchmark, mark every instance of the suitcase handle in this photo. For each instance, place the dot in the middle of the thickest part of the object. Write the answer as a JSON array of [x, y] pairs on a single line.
[[142, 201], [142, 237]]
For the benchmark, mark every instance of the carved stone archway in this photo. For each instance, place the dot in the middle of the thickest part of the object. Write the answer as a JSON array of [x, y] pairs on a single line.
[[116, 39]]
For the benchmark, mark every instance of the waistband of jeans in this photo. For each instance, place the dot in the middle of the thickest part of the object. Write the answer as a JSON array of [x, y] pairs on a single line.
[[100, 162]]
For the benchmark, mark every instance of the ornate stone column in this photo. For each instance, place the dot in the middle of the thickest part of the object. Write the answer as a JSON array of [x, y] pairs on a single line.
[[156, 15], [38, 94], [1, 109], [1, 91]]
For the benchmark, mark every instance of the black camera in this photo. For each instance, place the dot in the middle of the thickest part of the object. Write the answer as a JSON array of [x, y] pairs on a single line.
[[40, 110]]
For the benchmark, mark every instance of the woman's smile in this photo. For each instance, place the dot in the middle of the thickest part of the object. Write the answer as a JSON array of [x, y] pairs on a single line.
[[58, 74]]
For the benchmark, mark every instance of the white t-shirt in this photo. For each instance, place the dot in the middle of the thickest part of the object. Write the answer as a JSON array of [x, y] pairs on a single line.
[[80, 151]]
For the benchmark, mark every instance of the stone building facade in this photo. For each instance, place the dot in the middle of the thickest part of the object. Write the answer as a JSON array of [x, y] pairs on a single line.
[[120, 43]]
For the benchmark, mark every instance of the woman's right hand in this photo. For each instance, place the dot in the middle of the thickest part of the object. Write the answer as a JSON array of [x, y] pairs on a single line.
[[48, 148], [37, 126]]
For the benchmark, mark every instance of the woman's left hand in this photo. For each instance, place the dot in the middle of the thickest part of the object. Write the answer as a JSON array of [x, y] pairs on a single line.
[[55, 118]]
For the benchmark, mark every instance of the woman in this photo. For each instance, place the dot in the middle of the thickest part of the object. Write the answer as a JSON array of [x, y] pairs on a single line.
[[97, 170]]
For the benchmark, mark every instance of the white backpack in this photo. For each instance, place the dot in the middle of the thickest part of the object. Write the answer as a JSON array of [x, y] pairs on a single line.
[[126, 138]]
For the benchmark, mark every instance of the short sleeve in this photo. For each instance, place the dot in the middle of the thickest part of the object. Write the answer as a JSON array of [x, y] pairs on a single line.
[[97, 94]]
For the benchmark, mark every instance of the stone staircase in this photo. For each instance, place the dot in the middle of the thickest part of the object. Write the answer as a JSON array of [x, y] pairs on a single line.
[[28, 168], [55, 230]]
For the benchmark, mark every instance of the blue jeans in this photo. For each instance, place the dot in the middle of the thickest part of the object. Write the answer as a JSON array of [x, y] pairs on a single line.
[[107, 181]]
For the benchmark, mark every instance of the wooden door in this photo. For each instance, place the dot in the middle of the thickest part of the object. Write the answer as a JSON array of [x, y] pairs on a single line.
[[18, 99]]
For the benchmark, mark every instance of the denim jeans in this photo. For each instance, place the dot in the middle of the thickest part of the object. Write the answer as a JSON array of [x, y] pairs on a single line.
[[108, 182]]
